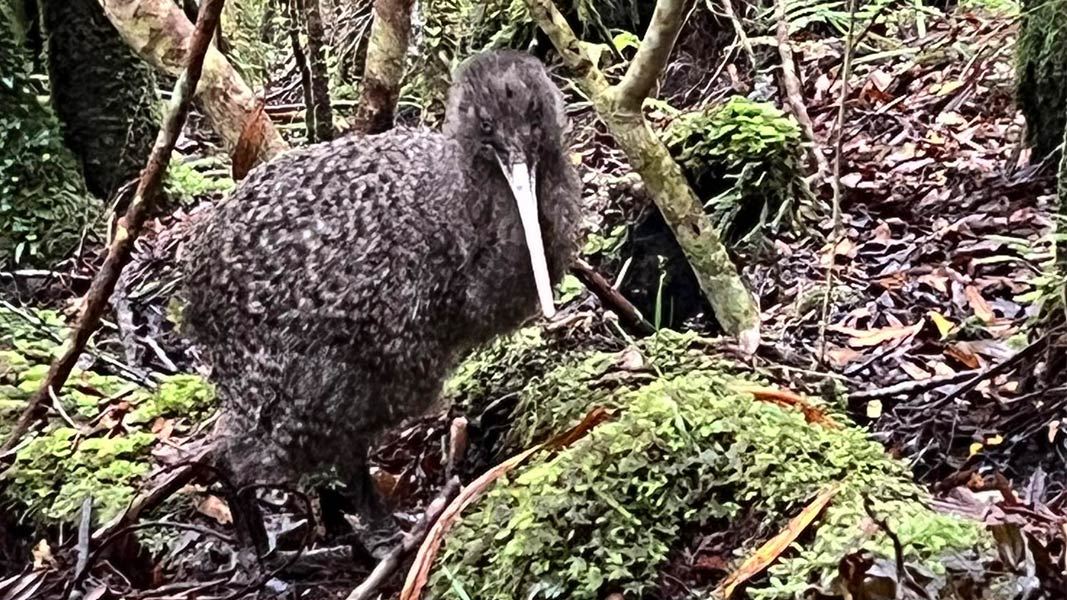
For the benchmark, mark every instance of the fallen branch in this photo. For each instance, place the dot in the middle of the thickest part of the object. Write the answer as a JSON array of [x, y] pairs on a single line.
[[127, 230], [610, 297], [411, 541], [991, 372], [912, 387]]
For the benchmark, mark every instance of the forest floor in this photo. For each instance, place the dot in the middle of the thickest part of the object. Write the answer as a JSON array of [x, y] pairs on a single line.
[[944, 218]]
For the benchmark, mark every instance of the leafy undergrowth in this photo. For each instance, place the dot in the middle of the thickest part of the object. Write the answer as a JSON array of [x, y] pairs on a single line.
[[689, 450], [101, 448]]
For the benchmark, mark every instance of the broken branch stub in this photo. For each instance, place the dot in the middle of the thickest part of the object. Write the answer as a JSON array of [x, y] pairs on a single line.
[[619, 107], [160, 33]]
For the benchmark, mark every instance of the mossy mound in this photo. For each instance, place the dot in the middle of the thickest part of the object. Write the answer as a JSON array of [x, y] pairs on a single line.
[[689, 453], [1042, 72], [44, 207], [118, 422], [744, 159]]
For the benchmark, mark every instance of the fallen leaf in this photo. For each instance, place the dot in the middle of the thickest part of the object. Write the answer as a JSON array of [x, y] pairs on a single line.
[[964, 355], [766, 554], [874, 409], [840, 357], [976, 447], [913, 371], [944, 326], [874, 337], [978, 304], [216, 508], [42, 555]]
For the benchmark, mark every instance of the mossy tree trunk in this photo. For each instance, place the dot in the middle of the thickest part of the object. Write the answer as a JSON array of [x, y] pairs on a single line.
[[104, 94], [1042, 72], [44, 206], [619, 106]]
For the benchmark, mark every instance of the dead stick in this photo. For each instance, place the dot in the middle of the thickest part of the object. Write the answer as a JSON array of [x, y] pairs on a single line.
[[610, 297], [128, 228], [912, 387], [412, 540], [795, 94]]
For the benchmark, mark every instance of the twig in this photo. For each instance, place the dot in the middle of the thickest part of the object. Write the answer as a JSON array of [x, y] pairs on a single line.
[[795, 95], [412, 540], [898, 547], [835, 237], [991, 372], [610, 297], [457, 445], [83, 535], [739, 29], [911, 387], [181, 474], [128, 228]]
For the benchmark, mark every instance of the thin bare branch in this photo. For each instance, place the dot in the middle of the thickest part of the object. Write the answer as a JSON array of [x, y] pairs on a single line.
[[655, 50]]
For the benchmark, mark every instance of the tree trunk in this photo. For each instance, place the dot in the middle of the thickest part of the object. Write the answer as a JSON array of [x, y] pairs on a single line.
[[320, 77], [389, 34], [619, 106], [159, 32], [104, 94], [1042, 72], [43, 203]]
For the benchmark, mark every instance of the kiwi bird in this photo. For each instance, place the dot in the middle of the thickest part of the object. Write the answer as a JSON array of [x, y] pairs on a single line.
[[336, 288]]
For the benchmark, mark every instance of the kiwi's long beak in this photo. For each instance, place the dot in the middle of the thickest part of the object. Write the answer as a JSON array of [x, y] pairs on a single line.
[[524, 187]]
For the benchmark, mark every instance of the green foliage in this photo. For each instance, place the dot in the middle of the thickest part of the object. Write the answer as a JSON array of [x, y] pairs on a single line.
[[1008, 8], [744, 158], [56, 470], [1041, 52], [44, 207], [686, 452], [258, 38], [185, 183]]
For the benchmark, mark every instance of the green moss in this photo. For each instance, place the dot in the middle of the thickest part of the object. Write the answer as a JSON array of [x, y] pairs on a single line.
[[1041, 52], [687, 452], [185, 183], [744, 160], [44, 206], [54, 472], [186, 396]]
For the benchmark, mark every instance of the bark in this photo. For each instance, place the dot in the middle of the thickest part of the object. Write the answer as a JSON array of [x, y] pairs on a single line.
[[619, 107], [1061, 250], [320, 77], [159, 32], [389, 37], [301, 60], [104, 94], [129, 226]]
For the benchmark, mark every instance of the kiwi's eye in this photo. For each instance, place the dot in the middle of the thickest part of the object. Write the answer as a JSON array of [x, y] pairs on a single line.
[[487, 126]]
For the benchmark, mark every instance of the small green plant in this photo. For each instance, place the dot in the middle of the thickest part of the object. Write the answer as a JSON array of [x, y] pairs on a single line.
[[744, 158]]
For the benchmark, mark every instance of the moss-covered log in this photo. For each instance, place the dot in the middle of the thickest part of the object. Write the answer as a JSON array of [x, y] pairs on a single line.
[[1042, 72], [689, 454], [44, 206], [104, 94]]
